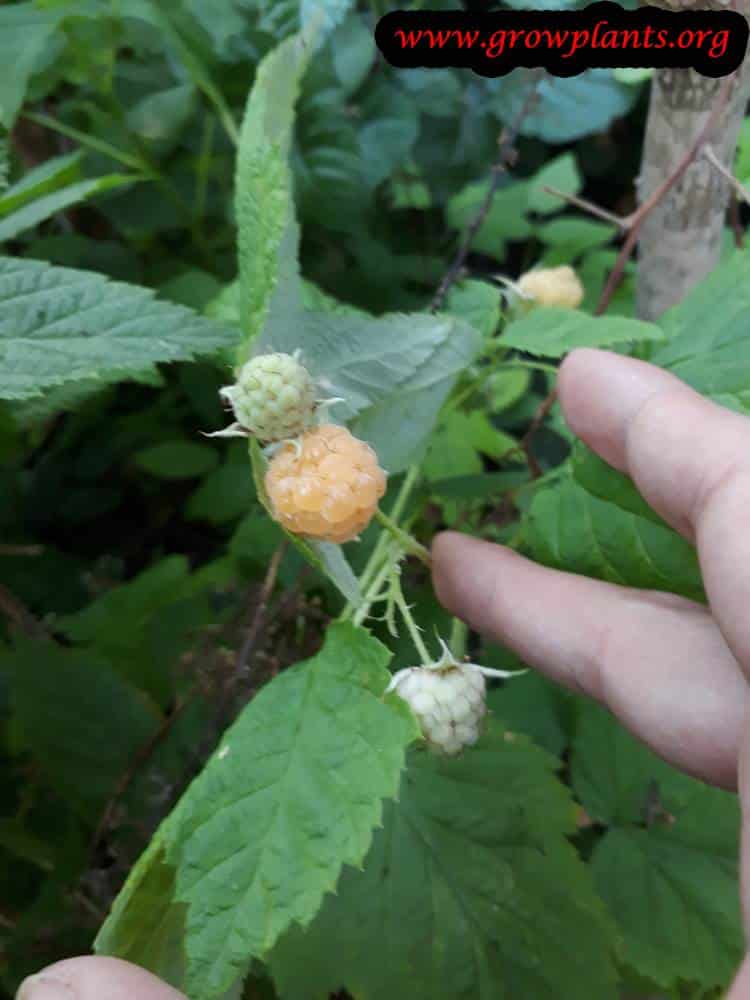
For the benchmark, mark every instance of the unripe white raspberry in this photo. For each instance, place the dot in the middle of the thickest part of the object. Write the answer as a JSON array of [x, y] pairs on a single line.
[[325, 485], [552, 286], [448, 699], [273, 398]]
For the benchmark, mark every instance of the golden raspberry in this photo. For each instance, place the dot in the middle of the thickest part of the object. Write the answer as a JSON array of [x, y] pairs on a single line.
[[553, 286], [326, 485]]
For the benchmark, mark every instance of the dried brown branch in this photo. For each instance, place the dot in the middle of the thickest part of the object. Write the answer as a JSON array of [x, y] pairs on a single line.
[[506, 157], [588, 206], [638, 217], [631, 224]]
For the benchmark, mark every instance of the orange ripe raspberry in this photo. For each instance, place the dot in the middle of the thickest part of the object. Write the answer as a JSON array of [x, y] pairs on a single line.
[[326, 485]]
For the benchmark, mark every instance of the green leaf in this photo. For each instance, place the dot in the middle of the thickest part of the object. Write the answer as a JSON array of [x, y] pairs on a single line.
[[26, 32], [159, 620], [668, 867], [561, 173], [530, 705], [606, 483], [567, 528], [674, 893], [291, 794], [267, 236], [177, 459], [571, 236], [505, 220], [506, 386], [44, 208], [45, 178], [456, 445], [82, 723], [145, 925], [477, 302], [551, 331], [161, 116], [707, 346], [393, 371], [470, 890], [568, 107], [60, 325], [616, 777]]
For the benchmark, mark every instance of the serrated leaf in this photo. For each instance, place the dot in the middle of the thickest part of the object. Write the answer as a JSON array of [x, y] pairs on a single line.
[[59, 325], [470, 892], [291, 794], [569, 529], [707, 346], [551, 331], [267, 236], [674, 895]]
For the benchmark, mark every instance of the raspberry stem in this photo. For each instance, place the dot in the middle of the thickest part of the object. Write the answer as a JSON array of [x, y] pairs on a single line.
[[407, 541]]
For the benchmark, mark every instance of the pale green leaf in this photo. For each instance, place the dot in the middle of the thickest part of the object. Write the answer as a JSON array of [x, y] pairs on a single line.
[[606, 483], [34, 212], [551, 331], [470, 892], [290, 795], [59, 325], [267, 237]]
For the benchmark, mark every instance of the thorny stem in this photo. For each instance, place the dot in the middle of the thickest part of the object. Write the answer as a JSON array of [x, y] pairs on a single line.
[[376, 556], [407, 541], [411, 625], [373, 590]]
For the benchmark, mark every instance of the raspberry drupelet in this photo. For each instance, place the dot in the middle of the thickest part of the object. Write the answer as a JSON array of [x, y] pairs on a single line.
[[326, 485]]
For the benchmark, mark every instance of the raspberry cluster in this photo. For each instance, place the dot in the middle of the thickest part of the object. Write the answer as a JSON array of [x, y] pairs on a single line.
[[325, 485], [449, 704], [273, 398], [552, 286]]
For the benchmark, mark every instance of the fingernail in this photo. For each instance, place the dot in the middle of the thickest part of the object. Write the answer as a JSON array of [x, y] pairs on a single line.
[[45, 987]]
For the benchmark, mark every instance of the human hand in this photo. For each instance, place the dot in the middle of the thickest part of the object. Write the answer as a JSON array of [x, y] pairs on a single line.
[[95, 978], [674, 672]]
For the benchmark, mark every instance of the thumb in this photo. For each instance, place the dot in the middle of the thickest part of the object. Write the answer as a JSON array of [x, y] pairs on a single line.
[[95, 978]]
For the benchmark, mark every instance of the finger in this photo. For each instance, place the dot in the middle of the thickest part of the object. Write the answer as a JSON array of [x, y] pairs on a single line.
[[740, 988], [689, 457], [95, 977], [656, 660]]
